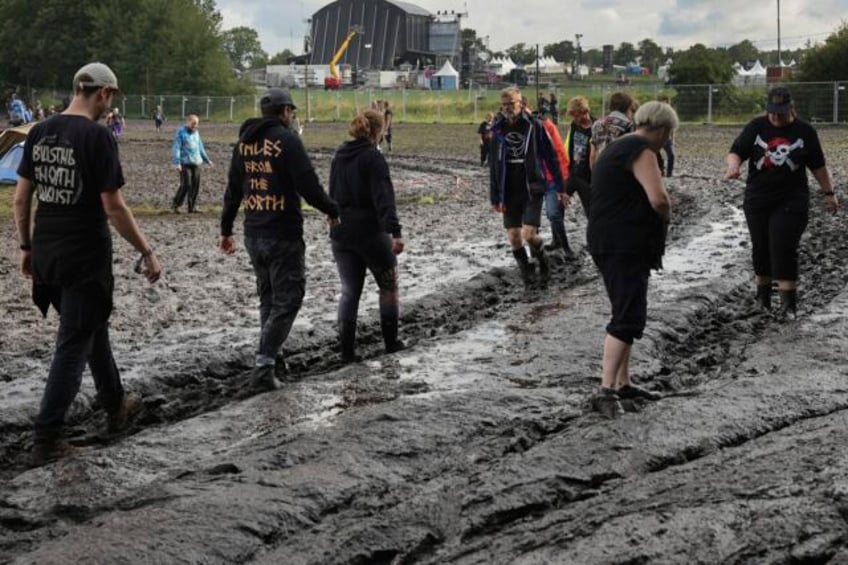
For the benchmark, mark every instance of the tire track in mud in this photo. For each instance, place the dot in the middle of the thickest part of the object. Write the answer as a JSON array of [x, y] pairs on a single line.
[[728, 314]]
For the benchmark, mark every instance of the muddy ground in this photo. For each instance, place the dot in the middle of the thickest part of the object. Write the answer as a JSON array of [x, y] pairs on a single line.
[[475, 445]]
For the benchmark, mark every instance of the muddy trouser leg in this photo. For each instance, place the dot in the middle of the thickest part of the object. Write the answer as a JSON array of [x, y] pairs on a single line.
[[383, 266], [104, 371], [182, 191], [193, 187], [75, 342], [758, 228], [351, 267], [669, 153], [281, 282], [556, 216]]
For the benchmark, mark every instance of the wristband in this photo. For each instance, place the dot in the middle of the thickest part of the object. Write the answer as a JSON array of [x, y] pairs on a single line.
[[26, 247], [828, 193]]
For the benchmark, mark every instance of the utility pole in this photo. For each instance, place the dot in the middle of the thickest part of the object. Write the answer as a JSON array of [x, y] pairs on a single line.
[[779, 58], [578, 54], [538, 76]]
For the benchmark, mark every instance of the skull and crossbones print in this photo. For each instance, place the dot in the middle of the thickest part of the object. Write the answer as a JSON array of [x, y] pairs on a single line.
[[777, 152]]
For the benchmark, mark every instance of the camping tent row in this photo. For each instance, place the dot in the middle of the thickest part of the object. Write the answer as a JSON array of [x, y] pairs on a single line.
[[502, 65], [756, 75], [549, 65]]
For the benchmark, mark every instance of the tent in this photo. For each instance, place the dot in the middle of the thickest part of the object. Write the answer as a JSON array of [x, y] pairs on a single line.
[[11, 151], [446, 79]]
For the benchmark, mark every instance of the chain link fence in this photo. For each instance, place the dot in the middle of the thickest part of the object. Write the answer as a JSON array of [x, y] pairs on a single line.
[[822, 102]]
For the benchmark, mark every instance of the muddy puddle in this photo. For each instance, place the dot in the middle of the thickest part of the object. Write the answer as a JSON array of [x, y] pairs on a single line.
[[477, 443]]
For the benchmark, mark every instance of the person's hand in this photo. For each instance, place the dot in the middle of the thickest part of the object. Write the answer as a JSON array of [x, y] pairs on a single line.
[[227, 245], [26, 262], [332, 222], [564, 198], [152, 270], [397, 245], [179, 168], [499, 208], [831, 203], [733, 172], [210, 163]]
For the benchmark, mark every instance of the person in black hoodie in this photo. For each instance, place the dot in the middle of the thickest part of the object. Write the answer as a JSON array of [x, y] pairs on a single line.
[[270, 171], [368, 235]]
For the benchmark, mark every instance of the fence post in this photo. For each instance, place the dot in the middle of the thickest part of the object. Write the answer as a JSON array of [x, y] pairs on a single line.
[[208, 101], [709, 103], [232, 102], [403, 102], [338, 109], [255, 105], [475, 108], [185, 99], [835, 102], [142, 106], [438, 106]]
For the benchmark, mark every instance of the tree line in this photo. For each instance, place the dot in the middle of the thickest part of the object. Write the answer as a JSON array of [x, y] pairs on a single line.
[[179, 46]]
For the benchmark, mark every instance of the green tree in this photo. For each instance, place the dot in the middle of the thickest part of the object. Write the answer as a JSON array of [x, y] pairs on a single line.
[[593, 58], [828, 60], [700, 65], [243, 47], [625, 54], [521, 54], [650, 54], [281, 58], [743, 51], [563, 51]]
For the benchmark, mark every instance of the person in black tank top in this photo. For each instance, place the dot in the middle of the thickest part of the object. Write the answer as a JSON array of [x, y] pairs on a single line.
[[626, 237]]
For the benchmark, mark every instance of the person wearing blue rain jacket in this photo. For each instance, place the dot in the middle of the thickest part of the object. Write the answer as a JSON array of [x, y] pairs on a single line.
[[187, 154]]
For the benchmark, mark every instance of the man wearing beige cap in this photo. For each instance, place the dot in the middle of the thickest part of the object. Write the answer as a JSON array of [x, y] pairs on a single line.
[[70, 164]]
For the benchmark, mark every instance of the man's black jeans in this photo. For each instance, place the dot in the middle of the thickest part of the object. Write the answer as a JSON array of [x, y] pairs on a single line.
[[80, 340], [280, 268]]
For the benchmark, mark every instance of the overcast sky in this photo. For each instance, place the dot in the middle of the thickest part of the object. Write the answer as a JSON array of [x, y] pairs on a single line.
[[671, 23]]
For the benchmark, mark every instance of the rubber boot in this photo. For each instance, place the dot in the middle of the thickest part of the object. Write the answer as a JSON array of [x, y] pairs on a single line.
[[764, 296], [347, 341], [544, 268], [562, 237], [556, 242], [788, 304], [524, 264], [389, 326]]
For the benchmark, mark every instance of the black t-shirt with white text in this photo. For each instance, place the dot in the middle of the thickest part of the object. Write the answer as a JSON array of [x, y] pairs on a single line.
[[70, 161], [778, 159]]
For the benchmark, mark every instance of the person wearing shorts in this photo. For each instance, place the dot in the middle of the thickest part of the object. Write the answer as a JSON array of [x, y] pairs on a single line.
[[523, 165], [779, 148], [626, 237]]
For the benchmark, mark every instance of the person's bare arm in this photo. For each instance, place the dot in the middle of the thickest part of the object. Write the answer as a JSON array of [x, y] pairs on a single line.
[[23, 213], [822, 175], [734, 164], [122, 219], [647, 172], [593, 156]]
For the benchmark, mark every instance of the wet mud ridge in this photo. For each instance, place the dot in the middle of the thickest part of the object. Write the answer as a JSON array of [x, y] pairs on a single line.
[[477, 444]]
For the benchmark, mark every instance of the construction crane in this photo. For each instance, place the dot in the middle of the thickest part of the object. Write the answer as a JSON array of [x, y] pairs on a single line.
[[334, 80]]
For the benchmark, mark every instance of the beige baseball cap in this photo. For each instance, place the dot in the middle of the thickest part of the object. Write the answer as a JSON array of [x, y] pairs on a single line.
[[95, 74]]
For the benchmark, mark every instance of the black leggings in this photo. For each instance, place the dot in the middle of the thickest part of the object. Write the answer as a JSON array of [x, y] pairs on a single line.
[[353, 257], [775, 235]]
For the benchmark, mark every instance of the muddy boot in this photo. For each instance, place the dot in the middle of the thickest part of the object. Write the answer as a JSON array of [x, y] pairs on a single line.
[[608, 403], [544, 267], [263, 379], [347, 342], [764, 296], [788, 304], [119, 420], [389, 326], [47, 449], [524, 264], [556, 242], [632, 391]]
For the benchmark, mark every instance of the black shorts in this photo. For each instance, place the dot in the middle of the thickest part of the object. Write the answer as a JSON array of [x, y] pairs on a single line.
[[525, 211], [626, 280], [775, 235]]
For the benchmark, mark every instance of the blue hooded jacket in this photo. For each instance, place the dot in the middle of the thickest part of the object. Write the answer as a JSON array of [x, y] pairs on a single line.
[[188, 148]]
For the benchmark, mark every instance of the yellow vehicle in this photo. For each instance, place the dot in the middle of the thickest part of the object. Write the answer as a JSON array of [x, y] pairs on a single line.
[[334, 81]]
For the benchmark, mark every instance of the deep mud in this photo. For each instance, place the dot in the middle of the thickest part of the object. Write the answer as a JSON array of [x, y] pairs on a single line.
[[475, 445]]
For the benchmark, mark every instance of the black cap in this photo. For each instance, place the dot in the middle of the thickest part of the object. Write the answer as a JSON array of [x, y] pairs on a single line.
[[779, 100], [277, 97]]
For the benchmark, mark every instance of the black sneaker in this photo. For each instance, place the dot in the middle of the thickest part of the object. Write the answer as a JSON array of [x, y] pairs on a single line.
[[119, 420], [609, 405], [264, 379], [398, 345], [632, 391]]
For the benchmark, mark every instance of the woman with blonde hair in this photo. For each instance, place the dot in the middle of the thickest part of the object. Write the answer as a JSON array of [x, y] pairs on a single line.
[[368, 236]]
